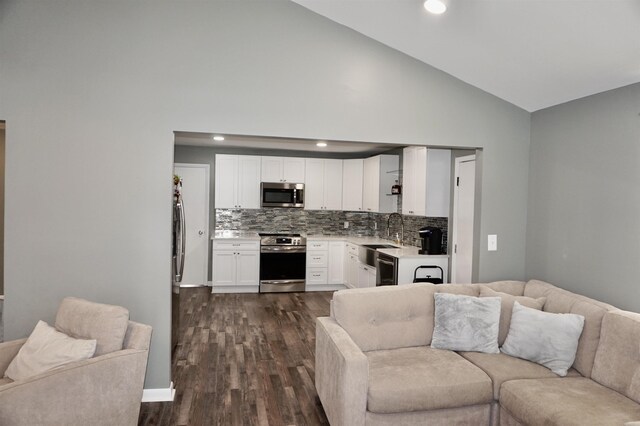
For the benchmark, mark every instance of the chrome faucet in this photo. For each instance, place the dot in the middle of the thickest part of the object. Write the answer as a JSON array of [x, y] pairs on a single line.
[[401, 226]]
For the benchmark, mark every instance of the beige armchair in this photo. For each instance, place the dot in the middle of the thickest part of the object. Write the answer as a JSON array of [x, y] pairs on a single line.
[[103, 390]]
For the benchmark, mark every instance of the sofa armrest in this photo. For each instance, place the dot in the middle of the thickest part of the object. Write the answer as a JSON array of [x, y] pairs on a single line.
[[8, 351], [342, 374], [105, 390]]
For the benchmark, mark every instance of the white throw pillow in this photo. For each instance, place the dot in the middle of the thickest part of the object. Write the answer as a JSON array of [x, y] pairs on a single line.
[[466, 323], [45, 349], [507, 308], [545, 338]]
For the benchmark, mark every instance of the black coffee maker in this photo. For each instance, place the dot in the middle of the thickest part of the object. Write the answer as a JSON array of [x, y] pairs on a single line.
[[431, 240]]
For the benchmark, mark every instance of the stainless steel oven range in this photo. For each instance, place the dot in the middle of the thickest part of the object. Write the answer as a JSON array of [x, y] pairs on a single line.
[[283, 262]]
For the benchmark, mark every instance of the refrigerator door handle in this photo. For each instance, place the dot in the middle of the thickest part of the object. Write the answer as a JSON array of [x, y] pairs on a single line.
[[181, 241]]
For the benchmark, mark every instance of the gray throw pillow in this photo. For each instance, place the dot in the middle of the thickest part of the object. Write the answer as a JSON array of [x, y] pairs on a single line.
[[545, 338], [507, 308], [466, 323]]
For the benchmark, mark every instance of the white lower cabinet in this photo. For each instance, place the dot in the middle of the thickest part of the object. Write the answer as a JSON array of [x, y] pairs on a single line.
[[235, 266], [352, 271], [336, 262], [325, 265], [366, 276], [351, 263]]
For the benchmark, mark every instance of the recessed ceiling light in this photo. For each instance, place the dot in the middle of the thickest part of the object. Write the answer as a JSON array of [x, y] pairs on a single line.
[[321, 144], [218, 138], [435, 6]]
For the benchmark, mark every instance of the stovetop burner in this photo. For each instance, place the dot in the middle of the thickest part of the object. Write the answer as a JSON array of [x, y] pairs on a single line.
[[281, 239]]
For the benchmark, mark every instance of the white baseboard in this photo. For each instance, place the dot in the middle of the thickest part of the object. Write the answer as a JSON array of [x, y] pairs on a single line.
[[236, 289], [325, 287], [159, 395]]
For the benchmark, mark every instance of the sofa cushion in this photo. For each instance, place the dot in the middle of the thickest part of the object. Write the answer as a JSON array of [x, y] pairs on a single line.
[[5, 381], [502, 368], [464, 289], [563, 301], [506, 308], [423, 378], [46, 349], [466, 323], [617, 362], [386, 317], [82, 319], [515, 288], [566, 401], [543, 337]]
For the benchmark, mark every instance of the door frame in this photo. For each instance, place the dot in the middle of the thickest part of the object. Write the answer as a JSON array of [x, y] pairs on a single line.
[[454, 227], [207, 171]]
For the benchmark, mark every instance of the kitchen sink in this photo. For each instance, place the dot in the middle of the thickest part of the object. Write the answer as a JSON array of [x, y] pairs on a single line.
[[378, 246], [368, 253]]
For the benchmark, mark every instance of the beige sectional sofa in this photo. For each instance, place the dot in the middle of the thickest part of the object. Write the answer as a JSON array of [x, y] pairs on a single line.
[[375, 366]]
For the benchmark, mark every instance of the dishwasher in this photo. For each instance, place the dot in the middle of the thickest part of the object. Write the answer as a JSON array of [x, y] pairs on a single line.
[[387, 270]]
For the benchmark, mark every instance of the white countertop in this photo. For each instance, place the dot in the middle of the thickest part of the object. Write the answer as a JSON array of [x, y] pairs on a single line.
[[244, 235], [404, 252]]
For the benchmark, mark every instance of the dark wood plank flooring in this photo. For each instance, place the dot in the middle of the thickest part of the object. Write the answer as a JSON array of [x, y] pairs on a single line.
[[244, 359]]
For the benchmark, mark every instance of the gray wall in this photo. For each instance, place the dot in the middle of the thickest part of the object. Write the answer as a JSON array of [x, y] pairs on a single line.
[[583, 230], [2, 166], [92, 91]]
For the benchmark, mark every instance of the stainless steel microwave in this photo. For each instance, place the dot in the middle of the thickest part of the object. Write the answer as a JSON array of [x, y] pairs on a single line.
[[282, 194]]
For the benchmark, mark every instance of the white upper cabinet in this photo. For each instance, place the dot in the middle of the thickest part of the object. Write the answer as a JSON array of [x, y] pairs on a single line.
[[226, 173], [323, 184], [333, 184], [426, 182], [380, 174], [249, 182], [352, 176], [283, 169], [237, 181], [314, 184]]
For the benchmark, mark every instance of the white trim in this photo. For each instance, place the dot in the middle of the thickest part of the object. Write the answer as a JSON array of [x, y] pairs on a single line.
[[159, 395], [325, 287], [235, 289], [454, 230]]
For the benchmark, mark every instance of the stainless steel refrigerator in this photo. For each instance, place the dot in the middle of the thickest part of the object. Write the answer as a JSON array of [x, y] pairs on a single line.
[[178, 248]]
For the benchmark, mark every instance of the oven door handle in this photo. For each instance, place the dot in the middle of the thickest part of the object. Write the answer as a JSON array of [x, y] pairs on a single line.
[[386, 262], [283, 249]]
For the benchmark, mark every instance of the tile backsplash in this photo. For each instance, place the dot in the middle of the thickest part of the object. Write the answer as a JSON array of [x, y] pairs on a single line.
[[313, 222]]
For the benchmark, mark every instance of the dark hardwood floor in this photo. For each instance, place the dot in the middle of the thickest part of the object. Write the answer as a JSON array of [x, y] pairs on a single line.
[[244, 359]]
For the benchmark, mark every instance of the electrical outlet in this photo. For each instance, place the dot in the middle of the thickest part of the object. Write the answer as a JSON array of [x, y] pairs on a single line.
[[346, 225], [492, 242], [375, 225]]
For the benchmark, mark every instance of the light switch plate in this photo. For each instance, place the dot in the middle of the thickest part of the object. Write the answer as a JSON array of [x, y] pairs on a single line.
[[346, 225], [492, 242]]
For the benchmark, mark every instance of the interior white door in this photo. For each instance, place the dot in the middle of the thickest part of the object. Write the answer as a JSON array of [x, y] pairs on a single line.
[[195, 196], [463, 214]]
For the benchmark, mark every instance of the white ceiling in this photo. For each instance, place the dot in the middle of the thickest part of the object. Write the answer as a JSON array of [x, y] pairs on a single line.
[[244, 142], [532, 53]]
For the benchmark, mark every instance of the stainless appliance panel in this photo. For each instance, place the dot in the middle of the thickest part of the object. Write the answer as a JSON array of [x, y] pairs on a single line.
[[283, 263], [282, 286], [282, 194], [386, 270]]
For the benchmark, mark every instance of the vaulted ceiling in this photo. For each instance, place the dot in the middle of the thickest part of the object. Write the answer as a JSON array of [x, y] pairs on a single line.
[[532, 53]]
